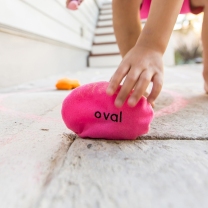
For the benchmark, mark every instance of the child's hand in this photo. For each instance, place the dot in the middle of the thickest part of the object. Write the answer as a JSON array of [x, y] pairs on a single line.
[[141, 65]]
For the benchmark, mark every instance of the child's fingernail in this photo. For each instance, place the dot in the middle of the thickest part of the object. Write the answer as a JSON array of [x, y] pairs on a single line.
[[132, 102], [118, 103], [109, 91]]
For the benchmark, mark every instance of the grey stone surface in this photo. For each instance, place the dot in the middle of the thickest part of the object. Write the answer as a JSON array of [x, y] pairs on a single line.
[[32, 144], [181, 111], [144, 174], [42, 166]]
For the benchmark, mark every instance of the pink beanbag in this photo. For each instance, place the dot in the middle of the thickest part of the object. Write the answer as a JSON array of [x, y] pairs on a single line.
[[90, 112]]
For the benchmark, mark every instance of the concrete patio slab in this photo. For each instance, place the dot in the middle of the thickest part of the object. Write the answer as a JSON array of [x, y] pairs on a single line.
[[132, 174], [44, 165], [32, 146], [181, 110], [182, 107]]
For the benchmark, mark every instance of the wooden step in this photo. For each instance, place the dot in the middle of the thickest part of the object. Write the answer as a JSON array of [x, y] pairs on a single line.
[[106, 11], [105, 16], [104, 30], [112, 42], [105, 49], [109, 2], [104, 26], [105, 23], [106, 6], [105, 60], [104, 38]]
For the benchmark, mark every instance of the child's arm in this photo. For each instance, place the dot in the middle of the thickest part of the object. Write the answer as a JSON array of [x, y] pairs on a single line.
[[143, 63]]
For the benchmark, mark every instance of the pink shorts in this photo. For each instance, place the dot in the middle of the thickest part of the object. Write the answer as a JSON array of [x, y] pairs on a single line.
[[186, 8]]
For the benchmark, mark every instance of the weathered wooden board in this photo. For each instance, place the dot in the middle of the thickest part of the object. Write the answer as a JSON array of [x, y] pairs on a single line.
[[98, 173]]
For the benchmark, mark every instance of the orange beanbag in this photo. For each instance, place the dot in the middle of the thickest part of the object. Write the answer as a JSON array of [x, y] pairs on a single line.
[[67, 84]]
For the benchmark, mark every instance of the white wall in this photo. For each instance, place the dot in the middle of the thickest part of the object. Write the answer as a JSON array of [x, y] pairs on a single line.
[[39, 38], [23, 59], [50, 19]]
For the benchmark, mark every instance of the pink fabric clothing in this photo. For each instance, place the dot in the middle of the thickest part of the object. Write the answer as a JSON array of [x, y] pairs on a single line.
[[91, 113], [186, 8]]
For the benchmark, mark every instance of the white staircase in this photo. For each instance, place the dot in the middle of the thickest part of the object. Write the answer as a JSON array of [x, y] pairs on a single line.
[[105, 52]]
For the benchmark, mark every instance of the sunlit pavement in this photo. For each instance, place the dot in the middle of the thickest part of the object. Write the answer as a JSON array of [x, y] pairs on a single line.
[[42, 165]]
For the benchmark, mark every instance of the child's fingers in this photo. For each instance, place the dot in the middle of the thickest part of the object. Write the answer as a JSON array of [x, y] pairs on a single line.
[[127, 86], [116, 79], [157, 86], [140, 88]]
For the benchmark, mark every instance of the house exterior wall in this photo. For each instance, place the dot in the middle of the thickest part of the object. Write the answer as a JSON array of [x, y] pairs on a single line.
[[40, 38]]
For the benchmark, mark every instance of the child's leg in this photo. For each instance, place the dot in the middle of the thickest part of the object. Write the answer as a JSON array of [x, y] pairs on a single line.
[[205, 46], [126, 23], [204, 3]]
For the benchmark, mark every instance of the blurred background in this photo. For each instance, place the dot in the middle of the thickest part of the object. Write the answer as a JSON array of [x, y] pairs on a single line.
[[187, 38], [40, 38]]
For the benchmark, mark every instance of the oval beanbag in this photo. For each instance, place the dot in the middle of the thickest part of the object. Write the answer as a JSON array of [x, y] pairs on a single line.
[[90, 112]]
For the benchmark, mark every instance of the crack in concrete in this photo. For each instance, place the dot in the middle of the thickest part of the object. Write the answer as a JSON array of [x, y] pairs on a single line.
[[56, 164], [172, 138]]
